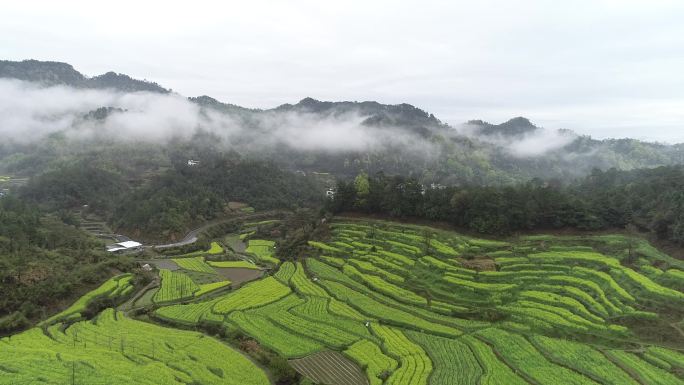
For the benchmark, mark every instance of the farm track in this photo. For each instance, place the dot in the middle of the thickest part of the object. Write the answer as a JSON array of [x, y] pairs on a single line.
[[127, 307]]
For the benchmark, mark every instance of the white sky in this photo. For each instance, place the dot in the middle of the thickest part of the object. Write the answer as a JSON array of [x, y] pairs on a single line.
[[605, 68]]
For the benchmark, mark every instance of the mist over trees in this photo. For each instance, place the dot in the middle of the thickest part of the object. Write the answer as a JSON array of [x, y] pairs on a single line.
[[52, 107]]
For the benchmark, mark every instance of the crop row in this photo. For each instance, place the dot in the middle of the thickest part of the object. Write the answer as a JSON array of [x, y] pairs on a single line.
[[112, 288], [327, 334], [382, 286], [523, 356], [389, 305], [234, 264], [316, 309], [494, 371], [584, 359], [369, 267], [209, 287], [369, 355], [190, 314], [116, 350], [263, 250], [304, 285], [454, 362], [174, 285], [391, 314], [194, 264], [646, 372], [285, 272], [415, 365], [268, 333], [252, 295]]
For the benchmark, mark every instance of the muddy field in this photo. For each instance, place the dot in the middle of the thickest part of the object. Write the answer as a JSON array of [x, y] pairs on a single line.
[[238, 275], [330, 367], [161, 264]]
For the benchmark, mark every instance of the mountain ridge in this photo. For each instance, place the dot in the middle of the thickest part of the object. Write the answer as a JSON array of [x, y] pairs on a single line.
[[403, 139], [52, 73]]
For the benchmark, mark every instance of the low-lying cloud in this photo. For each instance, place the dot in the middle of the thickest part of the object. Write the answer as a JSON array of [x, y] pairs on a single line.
[[29, 112], [531, 144]]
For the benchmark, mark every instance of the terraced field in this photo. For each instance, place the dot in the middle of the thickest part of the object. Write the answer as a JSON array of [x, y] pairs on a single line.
[[263, 250], [119, 286], [330, 368], [116, 350], [412, 305]]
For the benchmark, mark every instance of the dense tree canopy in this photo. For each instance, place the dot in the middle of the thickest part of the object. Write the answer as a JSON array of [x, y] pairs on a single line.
[[44, 261], [170, 200], [652, 200]]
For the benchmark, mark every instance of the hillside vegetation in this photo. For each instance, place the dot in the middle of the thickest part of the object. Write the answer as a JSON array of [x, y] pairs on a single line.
[[650, 201], [44, 261]]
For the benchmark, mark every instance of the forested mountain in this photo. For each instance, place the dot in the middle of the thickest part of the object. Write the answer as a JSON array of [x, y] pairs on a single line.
[[342, 138], [56, 73], [126, 140]]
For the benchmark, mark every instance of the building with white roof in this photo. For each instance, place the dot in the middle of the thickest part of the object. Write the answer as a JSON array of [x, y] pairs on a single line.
[[123, 247]]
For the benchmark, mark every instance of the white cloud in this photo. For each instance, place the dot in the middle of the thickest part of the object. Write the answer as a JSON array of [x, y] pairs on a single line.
[[458, 59], [29, 112]]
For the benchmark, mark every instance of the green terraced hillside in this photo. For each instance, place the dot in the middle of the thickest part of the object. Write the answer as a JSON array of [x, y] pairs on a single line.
[[113, 349], [413, 305], [417, 305]]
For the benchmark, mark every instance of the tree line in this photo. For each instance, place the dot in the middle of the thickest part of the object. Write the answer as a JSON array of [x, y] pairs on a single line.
[[650, 199]]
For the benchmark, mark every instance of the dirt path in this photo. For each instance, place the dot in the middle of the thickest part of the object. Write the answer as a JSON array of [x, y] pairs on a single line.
[[677, 328], [127, 306]]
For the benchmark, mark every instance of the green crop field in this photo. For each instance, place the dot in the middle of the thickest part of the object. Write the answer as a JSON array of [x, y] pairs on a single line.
[[209, 287], [252, 295], [194, 264], [112, 288], [415, 365], [175, 286], [263, 250], [369, 355], [382, 303], [454, 362], [330, 368], [117, 350], [234, 264], [214, 249]]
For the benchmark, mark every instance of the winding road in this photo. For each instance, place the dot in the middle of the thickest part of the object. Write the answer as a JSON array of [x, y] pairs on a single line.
[[193, 235]]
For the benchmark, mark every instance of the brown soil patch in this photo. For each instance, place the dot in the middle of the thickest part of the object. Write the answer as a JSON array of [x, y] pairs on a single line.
[[478, 264], [236, 205], [329, 367], [238, 275], [161, 264]]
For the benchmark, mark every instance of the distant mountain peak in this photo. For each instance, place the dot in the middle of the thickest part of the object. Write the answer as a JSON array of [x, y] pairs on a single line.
[[208, 101], [53, 73], [308, 101], [517, 126]]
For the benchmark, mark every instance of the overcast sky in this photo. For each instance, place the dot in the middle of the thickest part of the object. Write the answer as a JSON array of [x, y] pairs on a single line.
[[605, 68]]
